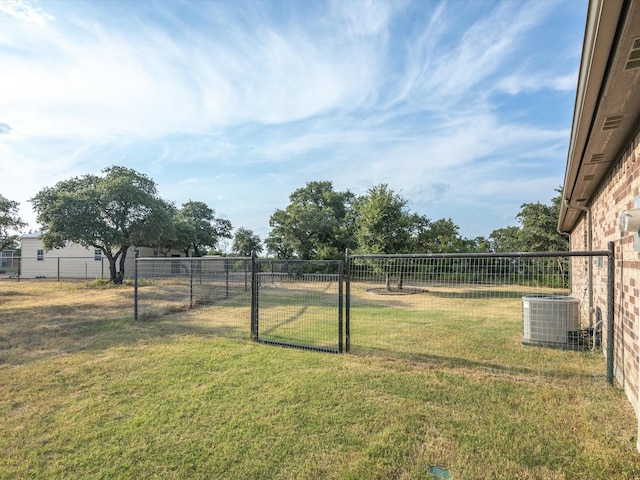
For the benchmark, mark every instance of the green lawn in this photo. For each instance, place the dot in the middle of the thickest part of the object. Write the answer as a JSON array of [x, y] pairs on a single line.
[[86, 392]]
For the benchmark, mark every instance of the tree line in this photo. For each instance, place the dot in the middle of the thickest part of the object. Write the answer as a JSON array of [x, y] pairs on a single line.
[[122, 208], [320, 223]]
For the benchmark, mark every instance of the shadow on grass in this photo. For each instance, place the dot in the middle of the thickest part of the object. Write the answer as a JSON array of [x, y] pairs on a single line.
[[13, 293], [97, 320], [477, 294], [31, 333], [102, 335], [287, 321], [303, 300], [442, 362]]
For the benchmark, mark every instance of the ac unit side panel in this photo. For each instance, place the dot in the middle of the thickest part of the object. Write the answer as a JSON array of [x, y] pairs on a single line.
[[548, 320]]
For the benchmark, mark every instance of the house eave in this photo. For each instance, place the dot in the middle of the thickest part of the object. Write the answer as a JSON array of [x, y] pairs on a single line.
[[606, 92]]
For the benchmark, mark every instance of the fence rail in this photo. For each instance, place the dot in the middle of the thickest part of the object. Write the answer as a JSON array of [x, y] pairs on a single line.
[[169, 285], [404, 306], [54, 268], [298, 304]]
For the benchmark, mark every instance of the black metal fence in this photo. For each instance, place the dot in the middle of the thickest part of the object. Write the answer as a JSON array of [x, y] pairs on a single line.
[[54, 268], [453, 307], [298, 304], [477, 307], [170, 285], [9, 267]]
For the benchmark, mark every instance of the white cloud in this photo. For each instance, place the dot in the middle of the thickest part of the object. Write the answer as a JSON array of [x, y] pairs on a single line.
[[365, 18], [147, 83], [444, 73], [24, 11], [528, 82], [214, 100]]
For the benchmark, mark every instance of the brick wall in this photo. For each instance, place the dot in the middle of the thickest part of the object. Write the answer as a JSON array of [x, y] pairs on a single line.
[[617, 192]]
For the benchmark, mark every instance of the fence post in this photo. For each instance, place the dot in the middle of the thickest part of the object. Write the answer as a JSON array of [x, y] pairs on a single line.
[[340, 303], [246, 266], [254, 298], [254, 302], [58, 258], [611, 272], [135, 285], [347, 317], [191, 283], [226, 271]]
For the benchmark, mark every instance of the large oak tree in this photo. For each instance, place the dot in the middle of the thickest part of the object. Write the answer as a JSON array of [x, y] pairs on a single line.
[[110, 213], [317, 224]]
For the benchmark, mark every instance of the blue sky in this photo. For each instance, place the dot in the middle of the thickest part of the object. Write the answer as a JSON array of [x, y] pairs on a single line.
[[462, 107]]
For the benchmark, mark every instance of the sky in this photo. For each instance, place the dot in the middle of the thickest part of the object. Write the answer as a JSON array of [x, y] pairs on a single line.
[[464, 108]]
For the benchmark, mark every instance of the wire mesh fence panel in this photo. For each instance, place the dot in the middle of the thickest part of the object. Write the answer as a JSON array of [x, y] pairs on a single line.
[[483, 310], [218, 288], [299, 304], [63, 268], [88, 268], [9, 267], [56, 268]]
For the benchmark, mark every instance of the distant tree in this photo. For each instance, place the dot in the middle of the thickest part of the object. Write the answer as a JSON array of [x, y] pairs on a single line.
[[109, 213], [507, 239], [194, 230], [315, 225], [280, 242], [383, 223], [540, 226], [245, 242], [9, 222], [537, 231], [176, 234], [481, 245], [442, 236], [205, 229]]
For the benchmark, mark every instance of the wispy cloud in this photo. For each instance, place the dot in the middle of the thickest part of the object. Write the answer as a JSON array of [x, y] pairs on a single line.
[[24, 11], [209, 98], [443, 73], [530, 82]]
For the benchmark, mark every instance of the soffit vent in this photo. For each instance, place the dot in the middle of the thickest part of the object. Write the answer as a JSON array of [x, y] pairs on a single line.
[[633, 61], [612, 122], [581, 200], [588, 178], [597, 158]]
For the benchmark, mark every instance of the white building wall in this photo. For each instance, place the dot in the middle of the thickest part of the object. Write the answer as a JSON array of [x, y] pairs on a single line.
[[72, 261]]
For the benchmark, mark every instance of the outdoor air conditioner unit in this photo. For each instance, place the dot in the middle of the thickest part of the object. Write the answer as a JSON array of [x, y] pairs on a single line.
[[550, 320]]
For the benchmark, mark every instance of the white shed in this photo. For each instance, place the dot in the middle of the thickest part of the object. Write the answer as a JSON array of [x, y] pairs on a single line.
[[72, 261]]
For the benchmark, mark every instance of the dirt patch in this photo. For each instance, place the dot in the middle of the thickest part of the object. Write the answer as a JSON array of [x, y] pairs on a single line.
[[396, 291]]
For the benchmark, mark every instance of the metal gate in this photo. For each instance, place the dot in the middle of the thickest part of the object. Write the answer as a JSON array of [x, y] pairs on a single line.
[[298, 303], [466, 309]]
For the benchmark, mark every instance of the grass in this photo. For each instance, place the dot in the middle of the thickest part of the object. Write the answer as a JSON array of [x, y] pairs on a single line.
[[300, 313], [86, 392]]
